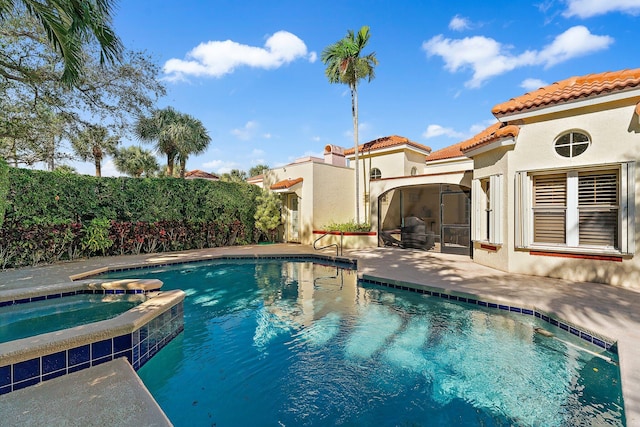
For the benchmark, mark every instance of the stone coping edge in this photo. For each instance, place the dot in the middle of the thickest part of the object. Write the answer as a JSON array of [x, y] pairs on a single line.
[[206, 258], [30, 294], [31, 347]]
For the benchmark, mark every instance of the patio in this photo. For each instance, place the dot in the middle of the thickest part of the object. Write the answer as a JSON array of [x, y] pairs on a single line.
[[607, 310]]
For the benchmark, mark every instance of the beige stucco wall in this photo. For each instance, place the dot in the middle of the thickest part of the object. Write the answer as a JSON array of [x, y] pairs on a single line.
[[613, 129], [325, 195]]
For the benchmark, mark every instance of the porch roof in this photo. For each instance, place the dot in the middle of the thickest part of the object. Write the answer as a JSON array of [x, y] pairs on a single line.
[[285, 184]]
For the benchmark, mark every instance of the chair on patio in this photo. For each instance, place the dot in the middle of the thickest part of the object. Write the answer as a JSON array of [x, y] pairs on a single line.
[[388, 239], [414, 234]]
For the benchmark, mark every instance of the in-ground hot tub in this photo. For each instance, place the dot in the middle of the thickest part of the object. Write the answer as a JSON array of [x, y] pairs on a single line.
[[137, 334]]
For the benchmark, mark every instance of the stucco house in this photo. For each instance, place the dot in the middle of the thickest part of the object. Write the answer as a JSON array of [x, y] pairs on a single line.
[[549, 189], [554, 181]]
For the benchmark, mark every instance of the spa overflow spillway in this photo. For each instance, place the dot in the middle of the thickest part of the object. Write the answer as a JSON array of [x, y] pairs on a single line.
[[277, 342]]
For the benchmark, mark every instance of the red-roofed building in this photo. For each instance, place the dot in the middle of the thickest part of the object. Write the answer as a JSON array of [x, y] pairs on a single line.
[[554, 181], [548, 189], [198, 174]]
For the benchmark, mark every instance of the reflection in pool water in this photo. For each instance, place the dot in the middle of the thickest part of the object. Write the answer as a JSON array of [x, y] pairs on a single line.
[[297, 343]]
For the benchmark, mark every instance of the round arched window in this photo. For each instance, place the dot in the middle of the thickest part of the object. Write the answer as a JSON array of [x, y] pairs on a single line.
[[572, 144], [375, 173], [414, 171]]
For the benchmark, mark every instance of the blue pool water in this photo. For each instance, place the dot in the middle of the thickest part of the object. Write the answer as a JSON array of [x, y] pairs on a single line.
[[292, 343], [25, 320]]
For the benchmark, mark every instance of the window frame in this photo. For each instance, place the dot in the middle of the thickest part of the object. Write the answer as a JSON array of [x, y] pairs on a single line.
[[624, 243], [375, 173], [571, 145]]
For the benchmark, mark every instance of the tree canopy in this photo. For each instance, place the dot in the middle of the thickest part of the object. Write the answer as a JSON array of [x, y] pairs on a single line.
[[68, 25]]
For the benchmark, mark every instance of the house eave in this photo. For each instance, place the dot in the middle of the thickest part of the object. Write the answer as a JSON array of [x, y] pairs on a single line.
[[501, 143], [569, 105]]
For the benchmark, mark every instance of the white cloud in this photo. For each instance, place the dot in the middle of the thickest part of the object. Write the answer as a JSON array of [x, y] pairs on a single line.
[[532, 84], [576, 41], [589, 8], [459, 23], [434, 131], [217, 58], [220, 166], [247, 132], [489, 58], [437, 130], [257, 152], [109, 169]]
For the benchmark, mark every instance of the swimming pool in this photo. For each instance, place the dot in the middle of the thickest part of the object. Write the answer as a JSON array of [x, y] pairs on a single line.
[[48, 315], [276, 342]]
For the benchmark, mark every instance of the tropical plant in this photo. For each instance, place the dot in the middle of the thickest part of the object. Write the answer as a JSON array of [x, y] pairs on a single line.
[[63, 169], [346, 64], [93, 143], [192, 138], [235, 175], [96, 236], [4, 187], [69, 25], [268, 213], [258, 170], [135, 161], [175, 134]]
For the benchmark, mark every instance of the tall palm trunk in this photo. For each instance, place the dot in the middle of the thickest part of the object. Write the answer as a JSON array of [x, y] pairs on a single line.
[[170, 165], [354, 113], [97, 159]]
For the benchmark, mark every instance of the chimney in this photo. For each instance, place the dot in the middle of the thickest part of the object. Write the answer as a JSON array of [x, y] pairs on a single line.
[[334, 155]]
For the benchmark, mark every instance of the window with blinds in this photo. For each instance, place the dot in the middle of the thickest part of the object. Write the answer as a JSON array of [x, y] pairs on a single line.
[[549, 208], [598, 207]]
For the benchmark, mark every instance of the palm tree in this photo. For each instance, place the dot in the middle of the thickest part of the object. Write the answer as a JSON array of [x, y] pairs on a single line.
[[192, 138], [157, 128], [347, 65], [176, 135], [93, 143], [69, 25], [134, 161]]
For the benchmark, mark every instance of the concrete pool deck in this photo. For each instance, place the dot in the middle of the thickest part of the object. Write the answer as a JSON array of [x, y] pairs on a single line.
[[607, 310]]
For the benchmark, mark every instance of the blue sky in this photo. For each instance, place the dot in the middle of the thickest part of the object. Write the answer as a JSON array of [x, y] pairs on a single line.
[[251, 70]]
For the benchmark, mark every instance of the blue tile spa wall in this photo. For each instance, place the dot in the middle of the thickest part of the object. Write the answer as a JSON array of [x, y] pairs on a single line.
[[138, 347]]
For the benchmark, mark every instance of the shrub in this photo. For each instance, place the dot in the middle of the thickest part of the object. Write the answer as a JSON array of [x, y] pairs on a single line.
[[349, 227], [52, 216], [4, 188]]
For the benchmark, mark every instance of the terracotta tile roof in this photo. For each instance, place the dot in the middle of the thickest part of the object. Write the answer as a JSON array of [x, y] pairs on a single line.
[[285, 184], [197, 173], [493, 133], [571, 89], [450, 152], [385, 142], [256, 178]]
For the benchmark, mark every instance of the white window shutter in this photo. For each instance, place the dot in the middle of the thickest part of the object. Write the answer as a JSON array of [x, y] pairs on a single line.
[[476, 209], [495, 230], [522, 200], [627, 207]]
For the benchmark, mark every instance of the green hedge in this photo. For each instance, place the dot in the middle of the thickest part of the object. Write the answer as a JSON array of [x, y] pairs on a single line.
[[52, 216], [4, 187]]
